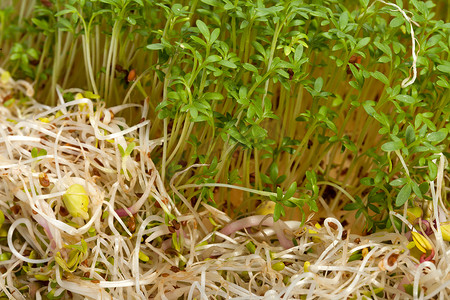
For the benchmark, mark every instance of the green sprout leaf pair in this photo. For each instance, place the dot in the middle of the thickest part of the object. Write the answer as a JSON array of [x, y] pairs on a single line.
[[284, 200], [128, 150], [76, 255], [35, 152]]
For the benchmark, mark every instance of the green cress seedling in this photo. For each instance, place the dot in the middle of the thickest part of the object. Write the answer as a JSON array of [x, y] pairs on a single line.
[[356, 94]]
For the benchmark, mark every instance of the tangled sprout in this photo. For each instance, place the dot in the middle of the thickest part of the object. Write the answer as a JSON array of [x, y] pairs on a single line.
[[85, 213]]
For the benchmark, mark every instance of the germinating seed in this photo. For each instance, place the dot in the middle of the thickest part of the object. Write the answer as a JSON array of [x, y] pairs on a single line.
[[43, 180]]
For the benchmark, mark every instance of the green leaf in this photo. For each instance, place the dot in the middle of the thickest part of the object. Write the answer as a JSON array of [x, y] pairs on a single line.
[[61, 262], [250, 67], [203, 29], [367, 181], [211, 59], [250, 247], [280, 179], [381, 77], [214, 3], [259, 48], [392, 146], [234, 133], [214, 35], [198, 40], [279, 193], [410, 135], [265, 178], [444, 68], [406, 99], [352, 206], [436, 137], [298, 53], [374, 208], [429, 123], [364, 3], [66, 11], [318, 84], [416, 190], [110, 2], [362, 42], [433, 170], [350, 145], [291, 191], [273, 172], [34, 152], [355, 256], [258, 132], [227, 64], [131, 20], [443, 83], [278, 212], [42, 24], [398, 182], [51, 295], [171, 95], [384, 48], [384, 59], [65, 25], [157, 46], [213, 96], [396, 22], [311, 176], [193, 112], [368, 107], [312, 205], [331, 126], [343, 21], [122, 152], [15, 56], [177, 9], [75, 247], [129, 149], [83, 246], [424, 186], [403, 195], [283, 73], [288, 203], [338, 47]]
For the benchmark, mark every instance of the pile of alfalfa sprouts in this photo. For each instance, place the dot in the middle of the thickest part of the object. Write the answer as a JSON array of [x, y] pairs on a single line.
[[86, 215]]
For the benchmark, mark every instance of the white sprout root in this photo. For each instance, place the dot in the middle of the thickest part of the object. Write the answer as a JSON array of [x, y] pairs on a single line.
[[414, 42], [137, 244]]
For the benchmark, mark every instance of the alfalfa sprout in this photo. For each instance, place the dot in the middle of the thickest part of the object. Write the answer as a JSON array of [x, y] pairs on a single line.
[[126, 237]]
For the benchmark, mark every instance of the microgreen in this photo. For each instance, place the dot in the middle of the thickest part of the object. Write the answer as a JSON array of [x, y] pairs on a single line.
[[76, 254], [35, 152], [128, 150]]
